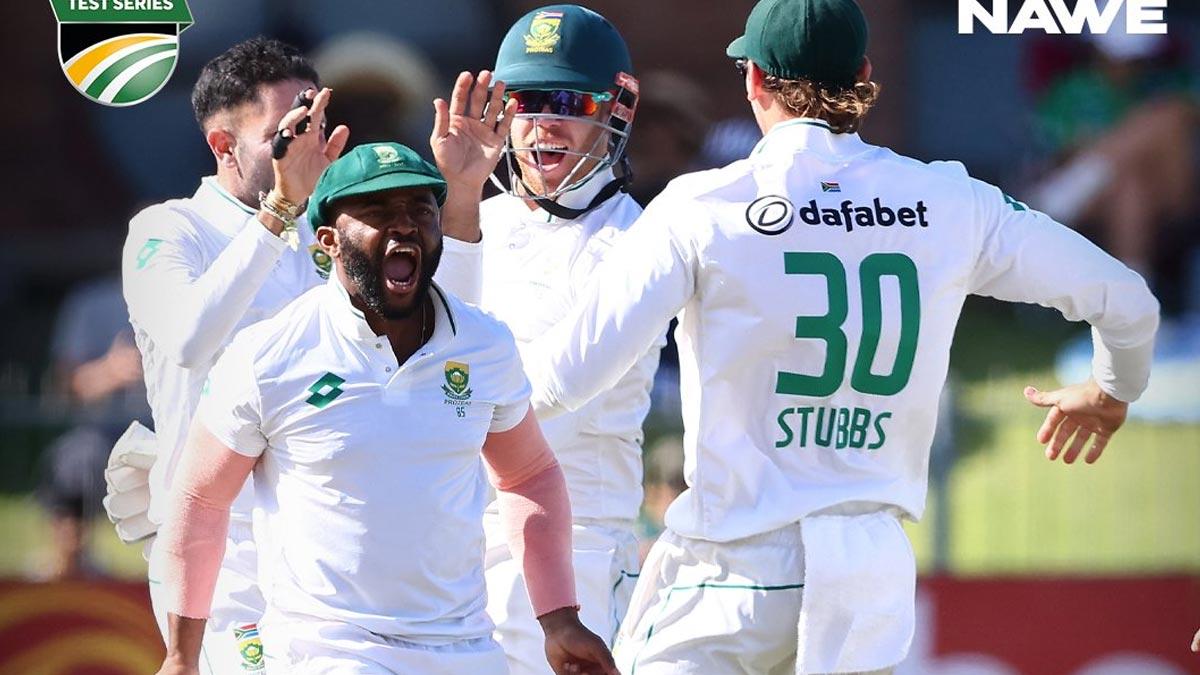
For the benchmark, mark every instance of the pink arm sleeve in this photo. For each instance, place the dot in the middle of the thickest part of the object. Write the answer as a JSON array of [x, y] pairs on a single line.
[[208, 479], [535, 510]]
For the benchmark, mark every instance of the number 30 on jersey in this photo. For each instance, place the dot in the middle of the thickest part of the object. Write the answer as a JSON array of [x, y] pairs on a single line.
[[828, 327]]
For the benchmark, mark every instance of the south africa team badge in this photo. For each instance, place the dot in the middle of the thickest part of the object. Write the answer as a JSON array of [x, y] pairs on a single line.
[[250, 647], [543, 35], [119, 52], [458, 378], [458, 386]]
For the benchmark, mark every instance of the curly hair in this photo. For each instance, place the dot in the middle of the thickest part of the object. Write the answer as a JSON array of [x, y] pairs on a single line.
[[842, 107], [234, 76]]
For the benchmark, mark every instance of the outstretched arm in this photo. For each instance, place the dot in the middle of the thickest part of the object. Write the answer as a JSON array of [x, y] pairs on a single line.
[[1027, 257], [536, 513], [643, 281], [193, 539]]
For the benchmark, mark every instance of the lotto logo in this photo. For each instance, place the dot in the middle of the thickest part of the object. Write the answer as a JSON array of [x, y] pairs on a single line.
[[325, 390], [1054, 17]]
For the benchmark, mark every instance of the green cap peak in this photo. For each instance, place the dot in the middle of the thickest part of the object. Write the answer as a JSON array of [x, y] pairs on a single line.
[[562, 47], [823, 41], [372, 167]]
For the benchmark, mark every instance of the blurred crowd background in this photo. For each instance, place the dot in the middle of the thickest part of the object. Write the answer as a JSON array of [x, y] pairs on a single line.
[[1100, 132]]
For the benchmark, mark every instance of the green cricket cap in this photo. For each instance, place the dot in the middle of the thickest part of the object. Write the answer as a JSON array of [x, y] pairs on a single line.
[[562, 47], [823, 41], [372, 167]]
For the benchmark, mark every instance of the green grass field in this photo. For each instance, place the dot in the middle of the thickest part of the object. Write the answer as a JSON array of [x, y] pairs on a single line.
[[1011, 511]]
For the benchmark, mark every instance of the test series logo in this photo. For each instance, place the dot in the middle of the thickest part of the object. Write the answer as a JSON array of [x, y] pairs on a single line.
[[119, 52]]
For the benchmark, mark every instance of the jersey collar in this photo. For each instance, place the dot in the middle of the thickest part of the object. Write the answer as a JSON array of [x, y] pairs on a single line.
[[351, 322], [809, 135], [220, 208]]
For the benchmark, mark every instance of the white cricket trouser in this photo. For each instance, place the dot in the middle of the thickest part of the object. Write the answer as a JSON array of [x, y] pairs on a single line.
[[738, 608], [231, 642], [304, 645], [606, 567]]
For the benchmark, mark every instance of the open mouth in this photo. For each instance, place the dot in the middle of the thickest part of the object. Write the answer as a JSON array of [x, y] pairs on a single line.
[[549, 155], [401, 267]]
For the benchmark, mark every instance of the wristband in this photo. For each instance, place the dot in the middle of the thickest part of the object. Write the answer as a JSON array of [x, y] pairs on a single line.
[[286, 211]]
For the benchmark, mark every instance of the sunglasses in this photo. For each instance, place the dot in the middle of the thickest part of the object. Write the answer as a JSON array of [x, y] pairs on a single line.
[[560, 101], [742, 65]]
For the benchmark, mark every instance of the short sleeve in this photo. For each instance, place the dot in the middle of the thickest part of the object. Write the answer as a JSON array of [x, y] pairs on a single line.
[[230, 405], [512, 401]]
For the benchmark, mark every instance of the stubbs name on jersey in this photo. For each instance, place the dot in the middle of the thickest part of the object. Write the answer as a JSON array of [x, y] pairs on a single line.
[[838, 427], [827, 427]]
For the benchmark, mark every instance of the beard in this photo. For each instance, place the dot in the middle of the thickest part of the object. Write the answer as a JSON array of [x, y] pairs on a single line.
[[365, 271], [256, 176]]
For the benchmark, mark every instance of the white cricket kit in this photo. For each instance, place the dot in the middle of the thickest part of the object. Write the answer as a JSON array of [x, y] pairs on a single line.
[[532, 267], [194, 272], [370, 485], [817, 284]]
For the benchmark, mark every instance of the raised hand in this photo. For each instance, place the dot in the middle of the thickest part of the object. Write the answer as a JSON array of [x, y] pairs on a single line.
[[1080, 410], [468, 132], [571, 648], [308, 153]]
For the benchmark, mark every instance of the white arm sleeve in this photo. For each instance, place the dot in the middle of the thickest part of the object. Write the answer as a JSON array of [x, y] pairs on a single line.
[[1027, 257], [461, 269], [189, 309], [642, 283]]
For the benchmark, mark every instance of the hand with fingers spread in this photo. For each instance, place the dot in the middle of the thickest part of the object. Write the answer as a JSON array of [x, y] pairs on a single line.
[[467, 141], [468, 132], [1082, 411], [571, 648], [309, 152]]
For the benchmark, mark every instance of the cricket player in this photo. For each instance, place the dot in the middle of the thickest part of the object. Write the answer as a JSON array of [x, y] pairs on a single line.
[[197, 270], [817, 284], [566, 73], [362, 409]]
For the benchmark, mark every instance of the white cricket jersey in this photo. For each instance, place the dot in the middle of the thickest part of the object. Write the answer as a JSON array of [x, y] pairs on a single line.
[[533, 267], [370, 483], [818, 283], [194, 272]]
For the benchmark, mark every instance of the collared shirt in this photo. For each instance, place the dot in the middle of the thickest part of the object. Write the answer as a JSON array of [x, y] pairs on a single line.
[[533, 266], [817, 285], [370, 485], [195, 271]]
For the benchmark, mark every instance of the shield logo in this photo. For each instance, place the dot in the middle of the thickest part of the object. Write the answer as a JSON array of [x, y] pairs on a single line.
[[386, 155], [543, 33], [458, 378], [119, 57]]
